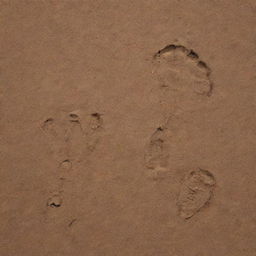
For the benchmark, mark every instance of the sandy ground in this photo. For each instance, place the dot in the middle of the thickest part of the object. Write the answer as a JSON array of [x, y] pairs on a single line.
[[127, 128]]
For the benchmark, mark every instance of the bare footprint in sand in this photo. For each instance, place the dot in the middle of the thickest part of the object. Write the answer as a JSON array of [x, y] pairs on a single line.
[[82, 135], [64, 174], [55, 134], [96, 121], [74, 129], [164, 154], [156, 153], [55, 201], [49, 127], [195, 193], [78, 138], [75, 136], [64, 171], [94, 130], [181, 70]]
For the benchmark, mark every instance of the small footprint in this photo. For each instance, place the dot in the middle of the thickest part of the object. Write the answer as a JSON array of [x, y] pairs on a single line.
[[49, 127], [54, 201], [66, 165], [96, 121], [75, 136], [55, 134], [156, 155], [95, 127], [73, 139], [75, 127], [180, 69], [64, 170], [195, 193], [83, 134]]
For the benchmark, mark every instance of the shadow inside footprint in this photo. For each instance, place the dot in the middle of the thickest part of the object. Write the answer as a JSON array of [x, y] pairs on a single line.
[[195, 192], [75, 124], [55, 201], [96, 121], [66, 165]]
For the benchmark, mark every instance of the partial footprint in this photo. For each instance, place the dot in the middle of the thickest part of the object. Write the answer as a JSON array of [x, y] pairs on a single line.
[[181, 70], [195, 193], [66, 165], [64, 170], [49, 127], [75, 136], [55, 201], [156, 155], [55, 134], [96, 121], [94, 129], [83, 134], [75, 127]]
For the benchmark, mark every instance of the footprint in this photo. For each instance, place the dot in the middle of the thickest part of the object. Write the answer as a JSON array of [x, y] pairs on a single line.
[[195, 193], [75, 136], [49, 127], [64, 171], [96, 121], [83, 135], [93, 130], [163, 147], [54, 201], [75, 127], [156, 155], [181, 70], [66, 165], [56, 136], [76, 139]]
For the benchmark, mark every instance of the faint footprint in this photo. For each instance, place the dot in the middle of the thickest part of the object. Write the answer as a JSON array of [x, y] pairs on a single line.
[[83, 134], [54, 201], [64, 171], [195, 193], [156, 154], [66, 165], [74, 141], [75, 136], [94, 129], [180, 69], [56, 136], [77, 140], [96, 121], [75, 127], [49, 127]]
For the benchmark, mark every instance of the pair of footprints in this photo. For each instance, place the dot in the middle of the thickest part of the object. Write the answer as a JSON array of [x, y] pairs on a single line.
[[197, 188], [72, 135], [179, 70], [182, 71], [70, 138]]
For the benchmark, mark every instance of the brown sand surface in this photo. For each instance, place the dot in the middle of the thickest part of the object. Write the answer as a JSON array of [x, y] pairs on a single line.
[[128, 128]]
